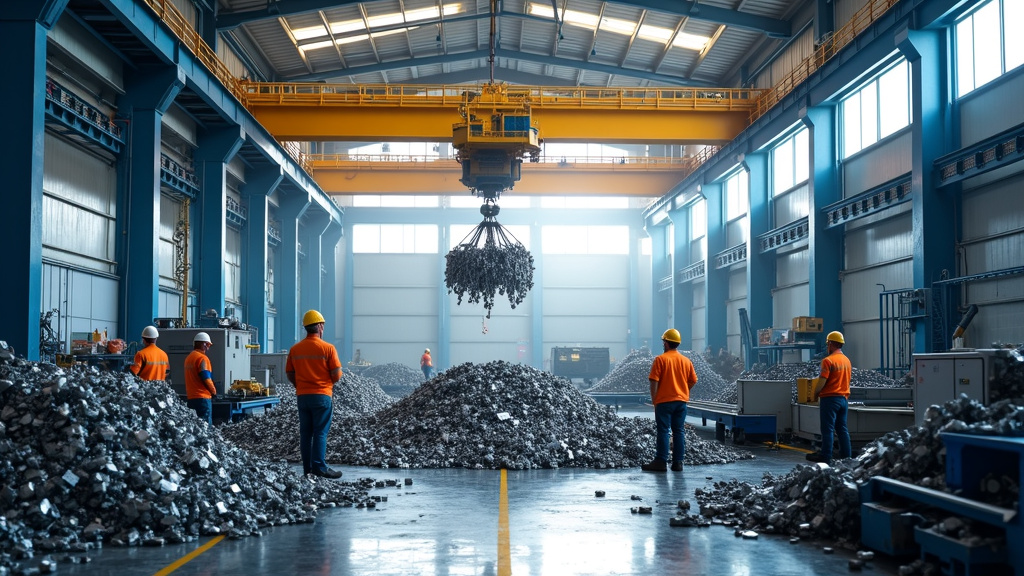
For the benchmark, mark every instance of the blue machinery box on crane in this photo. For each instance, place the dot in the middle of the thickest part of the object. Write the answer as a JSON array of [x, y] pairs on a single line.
[[888, 520]]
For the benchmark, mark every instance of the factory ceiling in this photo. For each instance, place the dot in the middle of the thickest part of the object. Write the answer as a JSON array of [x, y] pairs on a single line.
[[626, 43]]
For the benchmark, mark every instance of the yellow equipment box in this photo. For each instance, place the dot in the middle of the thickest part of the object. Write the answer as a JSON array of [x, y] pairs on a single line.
[[808, 324], [805, 390]]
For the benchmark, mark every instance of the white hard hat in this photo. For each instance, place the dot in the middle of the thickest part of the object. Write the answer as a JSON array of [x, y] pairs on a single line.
[[427, 351], [150, 332], [202, 337]]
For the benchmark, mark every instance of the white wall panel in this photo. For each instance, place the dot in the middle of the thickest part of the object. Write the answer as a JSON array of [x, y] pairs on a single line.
[[792, 267], [978, 119], [878, 165], [791, 206], [737, 300], [86, 302], [79, 207], [75, 42], [170, 209], [736, 232], [787, 303], [884, 241], [232, 265], [379, 270]]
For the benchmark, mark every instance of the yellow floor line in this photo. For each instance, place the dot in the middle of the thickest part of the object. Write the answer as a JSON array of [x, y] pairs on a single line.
[[788, 447], [190, 556], [504, 555]]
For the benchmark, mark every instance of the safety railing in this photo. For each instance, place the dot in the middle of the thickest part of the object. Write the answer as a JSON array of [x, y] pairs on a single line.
[[828, 48]]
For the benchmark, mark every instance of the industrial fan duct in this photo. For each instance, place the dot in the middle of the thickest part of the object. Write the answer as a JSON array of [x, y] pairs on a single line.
[[489, 261]]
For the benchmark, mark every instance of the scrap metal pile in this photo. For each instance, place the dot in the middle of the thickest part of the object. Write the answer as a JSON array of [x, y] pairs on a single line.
[[501, 265], [397, 380], [490, 416], [859, 378], [630, 377], [820, 501], [88, 457]]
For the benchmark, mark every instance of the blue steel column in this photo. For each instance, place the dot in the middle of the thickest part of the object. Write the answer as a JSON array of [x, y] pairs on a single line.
[[216, 148], [329, 299], [824, 19], [537, 299], [933, 210], [760, 267], [443, 356], [633, 318], [348, 293], [682, 294], [825, 246], [260, 184], [716, 282], [292, 208], [21, 34], [148, 94], [311, 296], [659, 269]]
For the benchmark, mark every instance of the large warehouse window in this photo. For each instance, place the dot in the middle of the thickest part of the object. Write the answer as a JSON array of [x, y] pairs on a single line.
[[585, 239], [585, 202], [698, 220], [467, 200], [737, 195], [791, 161], [394, 239], [987, 45], [394, 201], [877, 110]]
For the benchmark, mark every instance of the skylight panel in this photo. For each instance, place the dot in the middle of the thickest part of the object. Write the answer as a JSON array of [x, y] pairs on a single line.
[[310, 32], [618, 25], [655, 33], [690, 41]]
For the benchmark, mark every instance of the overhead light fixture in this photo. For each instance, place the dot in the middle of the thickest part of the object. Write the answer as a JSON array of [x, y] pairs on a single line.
[[438, 38], [593, 51], [560, 37]]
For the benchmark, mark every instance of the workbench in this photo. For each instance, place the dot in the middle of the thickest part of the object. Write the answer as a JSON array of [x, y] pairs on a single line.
[[771, 354], [969, 460], [762, 409], [233, 409]]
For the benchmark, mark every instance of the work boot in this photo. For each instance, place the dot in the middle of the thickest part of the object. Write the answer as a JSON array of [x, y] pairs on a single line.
[[816, 457], [677, 466], [327, 473], [656, 465]]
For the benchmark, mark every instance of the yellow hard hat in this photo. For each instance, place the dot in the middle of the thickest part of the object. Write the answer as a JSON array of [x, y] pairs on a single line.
[[835, 336], [312, 317], [672, 335]]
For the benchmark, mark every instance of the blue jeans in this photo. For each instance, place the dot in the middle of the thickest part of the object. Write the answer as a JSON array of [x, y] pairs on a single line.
[[670, 417], [203, 408], [315, 411], [428, 371], [833, 423]]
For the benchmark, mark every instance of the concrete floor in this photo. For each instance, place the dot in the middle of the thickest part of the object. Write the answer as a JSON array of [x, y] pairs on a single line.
[[447, 523]]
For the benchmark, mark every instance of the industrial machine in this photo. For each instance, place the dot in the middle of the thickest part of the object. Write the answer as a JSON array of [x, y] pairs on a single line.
[[944, 376], [762, 409], [585, 363], [231, 360]]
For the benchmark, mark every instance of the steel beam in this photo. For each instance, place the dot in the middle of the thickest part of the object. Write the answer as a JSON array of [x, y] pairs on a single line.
[[716, 280], [760, 265], [260, 183], [300, 123], [216, 148], [22, 167], [825, 245], [442, 177]]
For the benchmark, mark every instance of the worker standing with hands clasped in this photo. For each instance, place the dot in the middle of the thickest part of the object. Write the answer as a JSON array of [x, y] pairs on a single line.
[[832, 388], [426, 364], [199, 387], [150, 362], [313, 366], [672, 376]]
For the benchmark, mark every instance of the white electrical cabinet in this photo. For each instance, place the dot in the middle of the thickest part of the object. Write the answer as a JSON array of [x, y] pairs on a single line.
[[230, 356], [944, 376]]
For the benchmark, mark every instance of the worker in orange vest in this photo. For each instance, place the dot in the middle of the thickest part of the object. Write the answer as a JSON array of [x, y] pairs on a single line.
[[426, 364], [151, 362]]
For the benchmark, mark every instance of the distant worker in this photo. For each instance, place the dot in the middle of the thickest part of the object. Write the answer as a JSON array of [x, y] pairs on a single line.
[[832, 389], [672, 376], [199, 387], [358, 358], [426, 364], [150, 362], [314, 367]]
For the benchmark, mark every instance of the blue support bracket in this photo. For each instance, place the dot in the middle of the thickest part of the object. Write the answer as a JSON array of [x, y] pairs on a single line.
[[178, 179], [692, 272], [997, 151], [235, 214], [730, 256], [273, 233], [892, 193], [783, 236], [66, 109]]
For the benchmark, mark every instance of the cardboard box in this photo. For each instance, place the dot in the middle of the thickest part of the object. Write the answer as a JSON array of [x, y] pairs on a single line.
[[764, 336], [805, 390], [808, 324]]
